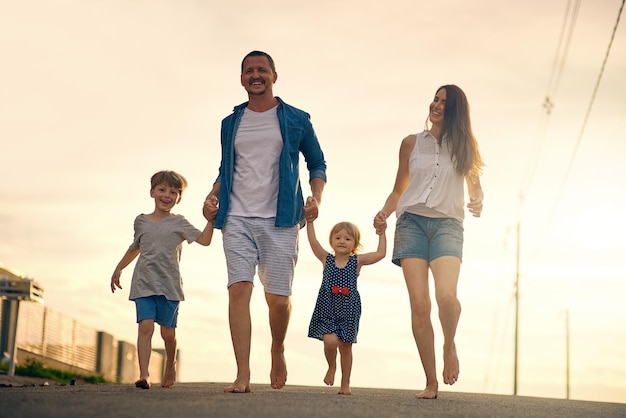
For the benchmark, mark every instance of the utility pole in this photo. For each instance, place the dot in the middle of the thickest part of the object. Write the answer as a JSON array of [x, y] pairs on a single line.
[[567, 354], [516, 342]]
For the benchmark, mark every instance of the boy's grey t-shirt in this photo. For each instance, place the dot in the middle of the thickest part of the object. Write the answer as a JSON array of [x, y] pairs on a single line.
[[160, 244]]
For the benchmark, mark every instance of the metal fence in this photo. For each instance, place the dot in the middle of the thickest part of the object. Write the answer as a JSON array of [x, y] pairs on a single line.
[[55, 336], [61, 342]]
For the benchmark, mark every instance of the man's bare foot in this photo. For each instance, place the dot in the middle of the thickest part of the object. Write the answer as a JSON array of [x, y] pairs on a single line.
[[450, 366], [169, 377], [430, 392], [238, 386], [345, 390], [329, 379], [278, 374]]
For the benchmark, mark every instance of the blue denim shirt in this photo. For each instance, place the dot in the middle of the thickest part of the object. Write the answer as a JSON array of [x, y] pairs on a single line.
[[298, 136]]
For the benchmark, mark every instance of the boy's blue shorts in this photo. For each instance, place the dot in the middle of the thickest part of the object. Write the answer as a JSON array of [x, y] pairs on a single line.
[[161, 310]]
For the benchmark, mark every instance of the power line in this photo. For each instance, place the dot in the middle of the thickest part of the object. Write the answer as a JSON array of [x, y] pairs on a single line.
[[557, 69], [555, 77], [554, 81], [580, 135], [560, 58]]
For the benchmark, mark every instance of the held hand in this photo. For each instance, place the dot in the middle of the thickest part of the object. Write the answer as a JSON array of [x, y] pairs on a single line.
[[311, 209], [115, 280], [380, 230], [475, 206], [209, 209], [380, 222]]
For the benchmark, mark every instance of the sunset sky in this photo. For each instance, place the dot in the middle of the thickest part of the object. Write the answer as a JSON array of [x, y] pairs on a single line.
[[96, 96]]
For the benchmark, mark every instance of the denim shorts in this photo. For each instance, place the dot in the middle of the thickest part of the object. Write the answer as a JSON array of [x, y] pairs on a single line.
[[427, 238], [256, 243], [161, 310]]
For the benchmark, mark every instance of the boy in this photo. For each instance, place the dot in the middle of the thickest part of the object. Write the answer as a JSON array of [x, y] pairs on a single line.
[[156, 285]]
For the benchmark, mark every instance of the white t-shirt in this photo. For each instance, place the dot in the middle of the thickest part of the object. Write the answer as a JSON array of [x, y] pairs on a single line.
[[258, 144]]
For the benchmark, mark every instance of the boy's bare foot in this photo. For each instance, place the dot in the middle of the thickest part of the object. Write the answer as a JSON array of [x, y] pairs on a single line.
[[142, 384], [450, 366], [345, 390], [238, 386], [430, 392], [329, 379], [278, 374], [169, 377]]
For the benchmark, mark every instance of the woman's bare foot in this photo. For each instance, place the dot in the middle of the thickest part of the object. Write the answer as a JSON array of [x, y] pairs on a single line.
[[430, 392], [450, 366], [238, 386], [345, 390], [169, 377], [278, 374], [329, 379]]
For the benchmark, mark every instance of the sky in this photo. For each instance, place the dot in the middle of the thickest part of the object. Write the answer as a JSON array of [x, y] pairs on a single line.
[[97, 96]]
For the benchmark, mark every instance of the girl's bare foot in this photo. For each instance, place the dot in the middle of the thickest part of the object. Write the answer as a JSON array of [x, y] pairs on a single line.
[[238, 386], [169, 377], [430, 392], [278, 374], [450, 366], [329, 379]]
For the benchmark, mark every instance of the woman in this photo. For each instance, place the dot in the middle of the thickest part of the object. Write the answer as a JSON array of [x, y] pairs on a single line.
[[428, 198]]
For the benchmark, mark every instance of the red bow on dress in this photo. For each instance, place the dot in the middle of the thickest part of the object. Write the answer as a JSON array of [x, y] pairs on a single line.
[[343, 290]]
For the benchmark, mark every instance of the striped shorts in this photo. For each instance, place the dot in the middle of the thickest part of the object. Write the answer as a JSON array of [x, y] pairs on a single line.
[[252, 242]]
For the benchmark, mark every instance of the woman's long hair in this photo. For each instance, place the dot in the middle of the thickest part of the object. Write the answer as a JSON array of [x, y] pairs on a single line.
[[457, 130]]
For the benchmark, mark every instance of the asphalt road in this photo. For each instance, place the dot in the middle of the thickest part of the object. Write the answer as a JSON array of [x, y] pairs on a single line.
[[208, 400]]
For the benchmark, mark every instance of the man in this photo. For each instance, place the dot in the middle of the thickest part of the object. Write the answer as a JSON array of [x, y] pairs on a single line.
[[261, 207]]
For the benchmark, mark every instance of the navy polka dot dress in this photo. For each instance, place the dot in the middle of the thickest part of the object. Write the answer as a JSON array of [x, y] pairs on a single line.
[[338, 306]]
